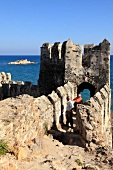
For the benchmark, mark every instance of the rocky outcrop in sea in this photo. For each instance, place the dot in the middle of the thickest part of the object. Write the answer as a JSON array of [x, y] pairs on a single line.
[[22, 62]]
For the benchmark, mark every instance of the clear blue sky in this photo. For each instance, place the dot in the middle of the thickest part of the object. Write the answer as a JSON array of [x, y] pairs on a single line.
[[26, 24]]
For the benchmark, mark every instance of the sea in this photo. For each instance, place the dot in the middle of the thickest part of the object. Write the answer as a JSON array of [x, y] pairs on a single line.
[[30, 72]]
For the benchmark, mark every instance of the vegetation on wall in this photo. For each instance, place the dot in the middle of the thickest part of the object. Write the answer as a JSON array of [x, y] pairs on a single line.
[[3, 147]]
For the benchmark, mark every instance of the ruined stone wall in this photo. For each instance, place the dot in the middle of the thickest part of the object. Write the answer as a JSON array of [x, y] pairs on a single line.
[[94, 118], [61, 63], [90, 70], [10, 88], [96, 63], [4, 78], [73, 62], [51, 69], [93, 67], [23, 119], [54, 69]]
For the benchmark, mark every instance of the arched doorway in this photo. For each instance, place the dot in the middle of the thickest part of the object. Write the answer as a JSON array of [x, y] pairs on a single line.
[[85, 95], [90, 89]]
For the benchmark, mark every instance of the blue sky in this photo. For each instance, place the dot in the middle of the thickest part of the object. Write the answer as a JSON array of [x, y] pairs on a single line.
[[26, 24]]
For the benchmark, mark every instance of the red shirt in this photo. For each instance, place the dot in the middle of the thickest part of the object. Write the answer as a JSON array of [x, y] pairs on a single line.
[[78, 99]]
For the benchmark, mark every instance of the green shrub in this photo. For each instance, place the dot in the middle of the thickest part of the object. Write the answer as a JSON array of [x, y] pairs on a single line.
[[78, 162], [3, 147]]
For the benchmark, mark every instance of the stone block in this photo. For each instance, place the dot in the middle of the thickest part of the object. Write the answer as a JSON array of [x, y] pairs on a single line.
[[22, 153]]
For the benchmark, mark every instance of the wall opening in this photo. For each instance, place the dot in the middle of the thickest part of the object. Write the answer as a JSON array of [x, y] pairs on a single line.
[[86, 89], [85, 95]]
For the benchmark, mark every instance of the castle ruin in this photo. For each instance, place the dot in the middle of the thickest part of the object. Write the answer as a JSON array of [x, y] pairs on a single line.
[[64, 70], [62, 63]]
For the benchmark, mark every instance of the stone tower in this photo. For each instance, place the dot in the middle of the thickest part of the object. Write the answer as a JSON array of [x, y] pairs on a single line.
[[62, 63], [65, 62]]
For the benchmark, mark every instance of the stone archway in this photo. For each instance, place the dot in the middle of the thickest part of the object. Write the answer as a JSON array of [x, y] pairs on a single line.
[[86, 85]]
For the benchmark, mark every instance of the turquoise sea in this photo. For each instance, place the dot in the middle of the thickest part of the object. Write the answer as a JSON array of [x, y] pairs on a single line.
[[24, 73], [31, 72]]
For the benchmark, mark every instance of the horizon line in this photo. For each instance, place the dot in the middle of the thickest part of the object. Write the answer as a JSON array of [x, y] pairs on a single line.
[[26, 54], [18, 54]]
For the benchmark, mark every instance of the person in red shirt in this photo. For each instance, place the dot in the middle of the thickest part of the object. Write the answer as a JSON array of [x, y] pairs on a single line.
[[78, 100]]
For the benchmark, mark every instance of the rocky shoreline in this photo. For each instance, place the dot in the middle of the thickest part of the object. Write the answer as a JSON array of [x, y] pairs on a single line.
[[25, 61]]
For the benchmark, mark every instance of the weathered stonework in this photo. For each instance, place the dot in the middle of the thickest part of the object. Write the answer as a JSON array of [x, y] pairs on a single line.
[[4, 78], [23, 119], [61, 63], [63, 71], [94, 118], [67, 64], [10, 88]]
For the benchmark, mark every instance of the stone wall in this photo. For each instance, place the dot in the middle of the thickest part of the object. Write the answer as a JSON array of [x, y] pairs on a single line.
[[23, 119], [51, 68], [4, 78], [64, 62], [58, 102], [93, 67], [10, 88], [96, 62], [23, 122], [94, 118]]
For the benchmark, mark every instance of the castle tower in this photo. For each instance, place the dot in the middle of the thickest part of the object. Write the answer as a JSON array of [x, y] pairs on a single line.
[[52, 68], [90, 70], [61, 63]]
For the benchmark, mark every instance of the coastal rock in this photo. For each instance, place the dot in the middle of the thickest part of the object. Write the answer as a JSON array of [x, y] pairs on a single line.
[[22, 62]]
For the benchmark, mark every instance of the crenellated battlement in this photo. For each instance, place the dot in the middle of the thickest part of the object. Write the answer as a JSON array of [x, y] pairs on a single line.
[[4, 78], [66, 62], [56, 51], [88, 70], [92, 118], [65, 70], [10, 88]]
